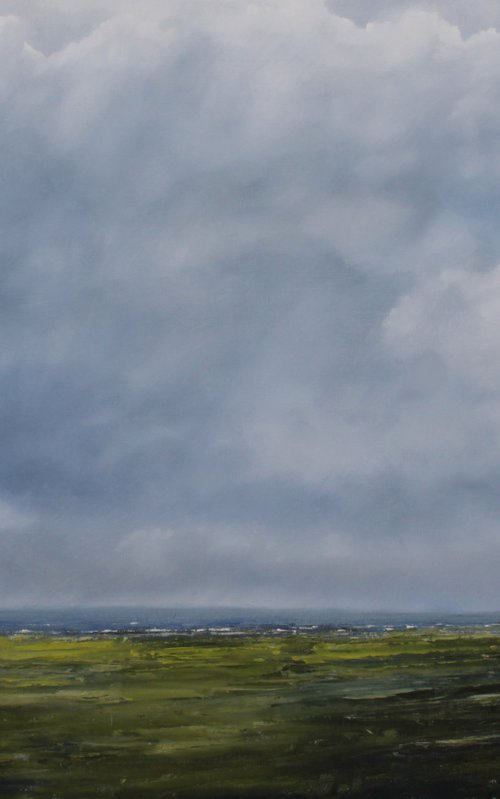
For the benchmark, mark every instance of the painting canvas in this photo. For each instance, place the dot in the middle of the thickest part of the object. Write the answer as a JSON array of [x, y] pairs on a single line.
[[249, 399]]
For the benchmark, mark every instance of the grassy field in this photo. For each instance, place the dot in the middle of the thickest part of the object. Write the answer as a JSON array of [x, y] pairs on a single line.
[[410, 714]]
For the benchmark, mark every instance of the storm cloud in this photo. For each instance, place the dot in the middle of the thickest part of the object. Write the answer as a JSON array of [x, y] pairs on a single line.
[[250, 303]]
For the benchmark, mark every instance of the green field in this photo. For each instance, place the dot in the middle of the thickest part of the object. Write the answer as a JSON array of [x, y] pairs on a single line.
[[413, 714]]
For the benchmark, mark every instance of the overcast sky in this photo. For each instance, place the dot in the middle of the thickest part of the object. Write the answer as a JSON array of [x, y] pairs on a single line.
[[250, 303]]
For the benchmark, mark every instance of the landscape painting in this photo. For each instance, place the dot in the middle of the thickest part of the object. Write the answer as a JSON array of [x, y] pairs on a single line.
[[249, 399]]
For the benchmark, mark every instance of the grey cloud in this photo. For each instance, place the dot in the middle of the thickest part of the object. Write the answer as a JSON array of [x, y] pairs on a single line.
[[469, 19], [248, 308]]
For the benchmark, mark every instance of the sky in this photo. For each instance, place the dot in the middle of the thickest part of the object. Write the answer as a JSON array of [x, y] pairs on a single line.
[[250, 303]]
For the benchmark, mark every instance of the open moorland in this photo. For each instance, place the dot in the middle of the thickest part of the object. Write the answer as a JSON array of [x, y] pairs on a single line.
[[401, 714]]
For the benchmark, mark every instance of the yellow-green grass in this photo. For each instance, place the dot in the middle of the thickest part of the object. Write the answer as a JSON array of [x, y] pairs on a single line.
[[413, 714]]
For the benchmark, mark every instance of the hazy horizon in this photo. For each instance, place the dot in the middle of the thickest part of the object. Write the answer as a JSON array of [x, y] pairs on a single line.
[[287, 609]]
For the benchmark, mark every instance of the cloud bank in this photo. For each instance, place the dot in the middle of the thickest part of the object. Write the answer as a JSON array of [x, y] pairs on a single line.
[[250, 306]]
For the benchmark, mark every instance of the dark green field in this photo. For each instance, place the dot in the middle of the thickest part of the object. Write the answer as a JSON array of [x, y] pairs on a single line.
[[412, 714]]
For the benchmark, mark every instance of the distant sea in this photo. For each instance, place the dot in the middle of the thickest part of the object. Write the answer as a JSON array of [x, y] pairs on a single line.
[[229, 621]]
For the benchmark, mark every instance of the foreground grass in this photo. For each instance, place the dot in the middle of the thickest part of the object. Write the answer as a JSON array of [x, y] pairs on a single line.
[[400, 715]]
